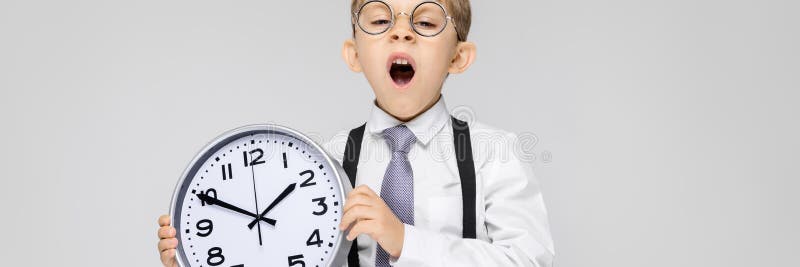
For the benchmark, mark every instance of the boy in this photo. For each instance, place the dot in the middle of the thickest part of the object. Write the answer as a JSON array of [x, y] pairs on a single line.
[[435, 202]]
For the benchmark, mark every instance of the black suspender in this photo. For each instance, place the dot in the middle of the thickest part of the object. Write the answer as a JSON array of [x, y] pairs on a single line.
[[466, 170], [350, 164], [352, 151]]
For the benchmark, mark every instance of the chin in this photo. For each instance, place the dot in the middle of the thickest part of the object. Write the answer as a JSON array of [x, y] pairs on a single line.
[[403, 107]]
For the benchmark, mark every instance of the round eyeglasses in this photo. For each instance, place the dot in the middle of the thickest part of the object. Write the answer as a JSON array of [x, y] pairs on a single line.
[[428, 18]]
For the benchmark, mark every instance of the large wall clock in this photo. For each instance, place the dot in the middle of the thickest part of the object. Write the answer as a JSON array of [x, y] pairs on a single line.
[[260, 195]]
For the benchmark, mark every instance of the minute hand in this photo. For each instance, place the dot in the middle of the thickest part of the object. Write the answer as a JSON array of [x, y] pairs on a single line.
[[277, 200], [217, 202]]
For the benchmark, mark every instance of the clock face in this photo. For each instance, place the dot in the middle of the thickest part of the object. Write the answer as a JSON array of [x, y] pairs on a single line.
[[259, 196]]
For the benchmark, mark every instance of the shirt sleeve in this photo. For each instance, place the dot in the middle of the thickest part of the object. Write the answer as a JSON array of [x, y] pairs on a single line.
[[515, 220]]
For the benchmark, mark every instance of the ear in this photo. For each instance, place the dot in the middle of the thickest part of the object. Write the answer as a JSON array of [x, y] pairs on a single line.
[[463, 58], [350, 55]]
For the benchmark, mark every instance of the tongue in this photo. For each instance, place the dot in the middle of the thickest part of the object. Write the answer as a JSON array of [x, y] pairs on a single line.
[[402, 75]]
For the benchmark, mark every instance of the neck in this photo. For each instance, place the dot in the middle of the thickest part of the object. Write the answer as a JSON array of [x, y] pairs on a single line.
[[409, 118]]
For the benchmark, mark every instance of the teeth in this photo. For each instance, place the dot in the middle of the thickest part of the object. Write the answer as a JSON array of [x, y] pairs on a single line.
[[401, 61]]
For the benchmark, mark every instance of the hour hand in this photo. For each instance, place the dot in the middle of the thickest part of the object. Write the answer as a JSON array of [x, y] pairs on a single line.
[[214, 201]]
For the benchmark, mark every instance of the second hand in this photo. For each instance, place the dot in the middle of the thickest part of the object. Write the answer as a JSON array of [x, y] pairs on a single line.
[[255, 195]]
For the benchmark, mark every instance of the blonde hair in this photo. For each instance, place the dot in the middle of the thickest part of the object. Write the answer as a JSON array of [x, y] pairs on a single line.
[[460, 10]]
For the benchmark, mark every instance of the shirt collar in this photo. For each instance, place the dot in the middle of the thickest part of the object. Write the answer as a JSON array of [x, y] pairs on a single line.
[[425, 126]]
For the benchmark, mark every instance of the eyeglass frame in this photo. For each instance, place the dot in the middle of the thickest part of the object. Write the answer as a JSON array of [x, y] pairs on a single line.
[[447, 17]]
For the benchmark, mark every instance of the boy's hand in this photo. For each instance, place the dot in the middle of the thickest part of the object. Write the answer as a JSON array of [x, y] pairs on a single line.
[[369, 215], [168, 242]]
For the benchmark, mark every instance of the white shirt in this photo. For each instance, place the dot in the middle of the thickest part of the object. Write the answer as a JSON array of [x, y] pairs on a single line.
[[511, 217]]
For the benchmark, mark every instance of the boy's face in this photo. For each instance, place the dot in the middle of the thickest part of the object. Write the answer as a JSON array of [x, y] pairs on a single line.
[[407, 70]]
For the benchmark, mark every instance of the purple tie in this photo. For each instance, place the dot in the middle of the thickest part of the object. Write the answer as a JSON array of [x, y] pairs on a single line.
[[398, 182]]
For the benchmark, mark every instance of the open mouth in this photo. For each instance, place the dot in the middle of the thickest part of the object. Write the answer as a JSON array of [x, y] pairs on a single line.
[[401, 69]]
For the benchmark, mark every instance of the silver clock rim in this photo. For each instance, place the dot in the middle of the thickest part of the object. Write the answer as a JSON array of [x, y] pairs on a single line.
[[342, 245]]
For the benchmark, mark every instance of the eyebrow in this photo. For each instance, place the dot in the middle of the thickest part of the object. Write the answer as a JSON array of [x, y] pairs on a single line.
[[361, 2]]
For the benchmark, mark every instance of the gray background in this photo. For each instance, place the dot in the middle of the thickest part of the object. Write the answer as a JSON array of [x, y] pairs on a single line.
[[671, 126]]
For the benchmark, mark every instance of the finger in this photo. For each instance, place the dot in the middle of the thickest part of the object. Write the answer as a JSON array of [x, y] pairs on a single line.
[[361, 189], [163, 220], [166, 232], [168, 257], [167, 243], [356, 214], [357, 200], [369, 192], [368, 227]]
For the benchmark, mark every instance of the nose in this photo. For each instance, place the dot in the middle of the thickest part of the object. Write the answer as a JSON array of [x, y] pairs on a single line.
[[402, 32], [404, 35]]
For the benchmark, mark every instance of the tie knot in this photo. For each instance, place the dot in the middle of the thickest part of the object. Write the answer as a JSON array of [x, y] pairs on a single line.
[[400, 138]]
